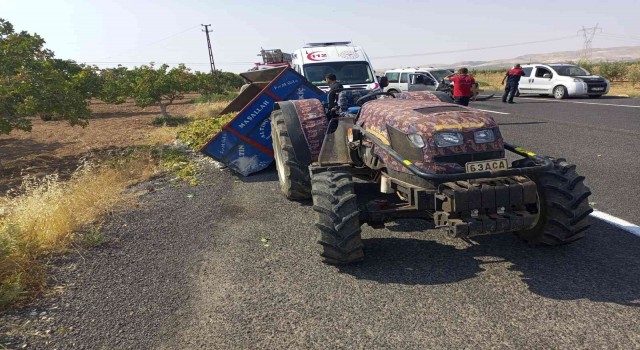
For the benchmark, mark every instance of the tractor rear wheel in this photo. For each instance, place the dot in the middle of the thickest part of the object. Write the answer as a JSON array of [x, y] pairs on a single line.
[[338, 220], [563, 205], [293, 175]]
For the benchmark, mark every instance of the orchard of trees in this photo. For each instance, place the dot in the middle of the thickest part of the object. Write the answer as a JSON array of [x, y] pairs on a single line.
[[33, 83]]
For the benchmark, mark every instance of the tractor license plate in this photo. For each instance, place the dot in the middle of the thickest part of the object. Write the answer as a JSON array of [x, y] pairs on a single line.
[[487, 165]]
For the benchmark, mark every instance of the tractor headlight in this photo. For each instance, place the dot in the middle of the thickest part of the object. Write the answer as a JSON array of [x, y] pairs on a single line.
[[484, 136], [448, 139], [416, 140]]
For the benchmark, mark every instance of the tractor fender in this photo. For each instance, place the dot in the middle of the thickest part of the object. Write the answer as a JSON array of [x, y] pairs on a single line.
[[306, 123], [419, 95]]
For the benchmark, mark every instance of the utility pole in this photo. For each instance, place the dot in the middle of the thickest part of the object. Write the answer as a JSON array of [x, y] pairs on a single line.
[[588, 34], [207, 31]]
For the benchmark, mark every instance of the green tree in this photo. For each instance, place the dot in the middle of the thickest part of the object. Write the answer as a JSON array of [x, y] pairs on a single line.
[[231, 81], [160, 86], [208, 84], [217, 83], [634, 74], [116, 84], [586, 64], [613, 70], [33, 83]]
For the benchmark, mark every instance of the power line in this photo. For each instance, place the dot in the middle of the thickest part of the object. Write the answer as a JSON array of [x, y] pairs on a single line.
[[474, 49]]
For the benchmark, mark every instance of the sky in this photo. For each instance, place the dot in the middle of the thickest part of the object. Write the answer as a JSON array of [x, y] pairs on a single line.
[[393, 33]]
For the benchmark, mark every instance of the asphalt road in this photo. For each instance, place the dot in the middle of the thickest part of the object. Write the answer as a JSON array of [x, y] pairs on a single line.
[[231, 264], [601, 136]]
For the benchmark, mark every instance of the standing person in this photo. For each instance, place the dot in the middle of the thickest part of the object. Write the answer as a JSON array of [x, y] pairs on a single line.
[[334, 85], [462, 84], [513, 79]]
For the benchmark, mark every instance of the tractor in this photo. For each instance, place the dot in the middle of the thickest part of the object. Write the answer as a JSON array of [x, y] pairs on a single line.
[[437, 161]]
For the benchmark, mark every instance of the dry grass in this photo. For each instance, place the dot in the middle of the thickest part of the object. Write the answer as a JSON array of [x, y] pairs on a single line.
[[489, 80], [163, 135], [207, 110], [46, 214], [43, 219], [624, 89]]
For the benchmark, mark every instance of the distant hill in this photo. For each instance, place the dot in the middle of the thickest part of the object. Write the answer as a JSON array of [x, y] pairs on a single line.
[[625, 53]]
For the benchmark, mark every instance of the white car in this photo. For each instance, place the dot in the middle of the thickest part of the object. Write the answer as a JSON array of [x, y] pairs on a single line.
[[401, 79], [561, 81]]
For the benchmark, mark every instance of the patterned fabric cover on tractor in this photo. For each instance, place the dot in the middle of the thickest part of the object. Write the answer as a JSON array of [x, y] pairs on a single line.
[[313, 122], [417, 95], [426, 118]]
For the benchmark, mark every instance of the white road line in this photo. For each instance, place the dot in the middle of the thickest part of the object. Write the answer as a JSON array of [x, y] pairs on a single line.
[[485, 110], [584, 103], [625, 225]]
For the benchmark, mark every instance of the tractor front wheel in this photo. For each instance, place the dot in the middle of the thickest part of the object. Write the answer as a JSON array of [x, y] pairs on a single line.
[[338, 220], [563, 205]]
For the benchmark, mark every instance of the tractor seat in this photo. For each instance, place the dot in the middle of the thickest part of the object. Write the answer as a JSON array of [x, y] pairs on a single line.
[[348, 98]]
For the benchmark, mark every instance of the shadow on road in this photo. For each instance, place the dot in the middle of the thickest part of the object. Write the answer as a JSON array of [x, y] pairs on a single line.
[[603, 267], [413, 261], [267, 175]]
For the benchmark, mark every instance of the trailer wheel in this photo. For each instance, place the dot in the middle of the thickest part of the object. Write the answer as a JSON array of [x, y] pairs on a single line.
[[563, 205], [338, 217], [293, 175]]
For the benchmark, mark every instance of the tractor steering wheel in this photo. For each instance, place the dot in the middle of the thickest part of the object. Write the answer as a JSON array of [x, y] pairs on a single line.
[[365, 98]]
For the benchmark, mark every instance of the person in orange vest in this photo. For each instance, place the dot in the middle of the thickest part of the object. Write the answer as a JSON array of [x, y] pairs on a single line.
[[462, 84]]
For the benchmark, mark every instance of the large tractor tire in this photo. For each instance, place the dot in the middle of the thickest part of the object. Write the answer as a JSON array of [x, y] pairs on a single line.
[[563, 205], [293, 175], [338, 220]]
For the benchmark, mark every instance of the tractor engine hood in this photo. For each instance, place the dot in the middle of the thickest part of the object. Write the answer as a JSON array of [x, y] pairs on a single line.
[[394, 121]]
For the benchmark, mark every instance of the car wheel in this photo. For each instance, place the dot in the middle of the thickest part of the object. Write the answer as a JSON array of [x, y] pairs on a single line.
[[559, 92]]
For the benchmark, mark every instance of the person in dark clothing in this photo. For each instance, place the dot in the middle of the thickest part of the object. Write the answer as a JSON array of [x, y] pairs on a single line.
[[462, 84], [513, 79], [333, 86]]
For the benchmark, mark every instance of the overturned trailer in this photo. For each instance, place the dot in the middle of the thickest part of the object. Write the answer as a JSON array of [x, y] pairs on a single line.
[[244, 144]]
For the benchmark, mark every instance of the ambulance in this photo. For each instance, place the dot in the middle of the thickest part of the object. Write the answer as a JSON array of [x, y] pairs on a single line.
[[348, 62]]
